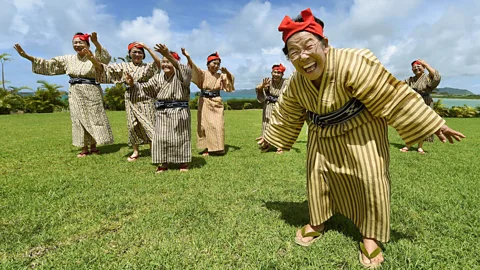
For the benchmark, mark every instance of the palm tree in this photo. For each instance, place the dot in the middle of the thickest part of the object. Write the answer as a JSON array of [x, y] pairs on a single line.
[[46, 98], [3, 58]]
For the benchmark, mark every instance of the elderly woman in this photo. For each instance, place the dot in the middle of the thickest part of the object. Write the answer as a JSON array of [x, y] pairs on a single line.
[[424, 85], [172, 136], [90, 124], [348, 99], [268, 93], [140, 110], [210, 120]]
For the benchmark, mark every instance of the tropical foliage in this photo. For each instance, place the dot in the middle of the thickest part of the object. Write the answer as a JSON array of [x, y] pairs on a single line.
[[114, 98]]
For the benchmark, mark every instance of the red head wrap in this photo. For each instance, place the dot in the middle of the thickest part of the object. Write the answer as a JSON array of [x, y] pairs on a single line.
[[84, 37], [279, 68], [416, 62], [175, 55], [215, 56], [289, 27], [134, 45]]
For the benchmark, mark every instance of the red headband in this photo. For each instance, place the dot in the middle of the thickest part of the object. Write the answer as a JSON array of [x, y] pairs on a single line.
[[213, 57], [175, 55], [134, 45], [279, 68], [289, 27], [416, 62], [83, 37]]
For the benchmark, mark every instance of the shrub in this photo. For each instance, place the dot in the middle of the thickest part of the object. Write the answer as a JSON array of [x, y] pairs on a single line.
[[114, 98]]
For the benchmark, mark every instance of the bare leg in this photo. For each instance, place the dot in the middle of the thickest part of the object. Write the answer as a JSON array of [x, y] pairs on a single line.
[[420, 147], [370, 246]]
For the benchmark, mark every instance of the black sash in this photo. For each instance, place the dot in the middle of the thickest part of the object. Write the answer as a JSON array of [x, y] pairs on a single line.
[[73, 81], [272, 99], [209, 94], [164, 104], [348, 111]]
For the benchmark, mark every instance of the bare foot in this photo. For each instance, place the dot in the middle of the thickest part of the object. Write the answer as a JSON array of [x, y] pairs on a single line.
[[370, 246], [309, 228], [279, 151]]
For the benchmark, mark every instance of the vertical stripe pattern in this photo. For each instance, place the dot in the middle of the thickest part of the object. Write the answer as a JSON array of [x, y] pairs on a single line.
[[140, 111], [172, 132], [275, 89], [89, 120], [210, 119], [347, 164]]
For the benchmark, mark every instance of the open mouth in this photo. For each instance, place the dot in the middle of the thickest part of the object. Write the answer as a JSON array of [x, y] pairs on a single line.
[[310, 67]]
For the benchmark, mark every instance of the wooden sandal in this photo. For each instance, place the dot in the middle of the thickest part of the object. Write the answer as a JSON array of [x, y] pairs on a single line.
[[421, 151], [404, 149], [370, 256], [315, 234]]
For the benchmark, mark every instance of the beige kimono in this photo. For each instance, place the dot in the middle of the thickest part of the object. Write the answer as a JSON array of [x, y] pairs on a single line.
[[210, 120], [274, 90], [347, 163], [89, 120], [425, 85], [140, 110]]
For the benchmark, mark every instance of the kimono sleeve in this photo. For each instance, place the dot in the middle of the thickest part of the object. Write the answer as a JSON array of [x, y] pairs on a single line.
[[260, 93], [433, 83], [227, 84], [386, 97], [184, 74], [149, 88], [54, 66], [102, 55], [198, 76], [111, 73], [287, 119]]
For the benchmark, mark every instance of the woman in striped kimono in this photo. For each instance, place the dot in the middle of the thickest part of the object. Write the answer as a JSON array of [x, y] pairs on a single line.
[[172, 135], [210, 119], [424, 85], [348, 99], [268, 93], [140, 110], [90, 124]]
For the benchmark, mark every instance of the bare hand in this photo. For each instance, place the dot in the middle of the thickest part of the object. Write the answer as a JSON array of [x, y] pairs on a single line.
[[424, 64], [142, 44], [88, 54], [224, 70], [184, 52], [94, 37], [20, 51], [128, 79], [266, 82], [161, 48], [445, 133]]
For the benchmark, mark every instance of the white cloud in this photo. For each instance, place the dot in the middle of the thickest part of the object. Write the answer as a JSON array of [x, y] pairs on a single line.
[[151, 30]]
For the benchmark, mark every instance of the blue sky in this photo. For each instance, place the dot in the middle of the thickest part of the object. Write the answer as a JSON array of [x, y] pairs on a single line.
[[245, 34]]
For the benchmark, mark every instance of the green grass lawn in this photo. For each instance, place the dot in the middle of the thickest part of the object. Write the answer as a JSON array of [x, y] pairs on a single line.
[[236, 211]]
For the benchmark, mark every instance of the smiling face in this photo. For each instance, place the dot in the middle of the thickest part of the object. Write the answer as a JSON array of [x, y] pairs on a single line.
[[417, 69], [214, 66], [308, 54], [276, 75], [79, 45], [136, 55], [167, 67]]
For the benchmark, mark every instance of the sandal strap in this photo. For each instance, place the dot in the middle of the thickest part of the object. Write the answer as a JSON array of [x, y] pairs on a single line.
[[369, 255], [310, 234]]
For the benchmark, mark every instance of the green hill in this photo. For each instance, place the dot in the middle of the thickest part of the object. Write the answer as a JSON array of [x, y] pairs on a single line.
[[453, 91]]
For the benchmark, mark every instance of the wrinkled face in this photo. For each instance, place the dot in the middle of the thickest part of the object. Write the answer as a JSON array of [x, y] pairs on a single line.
[[79, 44], [136, 55], [167, 67], [277, 75], [307, 54], [417, 69], [214, 66]]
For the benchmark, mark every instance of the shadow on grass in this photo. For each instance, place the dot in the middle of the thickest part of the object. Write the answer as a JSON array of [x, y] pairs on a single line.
[[112, 148], [232, 148], [296, 214], [197, 162]]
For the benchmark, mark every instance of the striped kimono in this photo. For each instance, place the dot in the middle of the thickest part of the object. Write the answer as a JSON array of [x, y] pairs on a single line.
[[425, 86], [347, 164], [89, 120], [140, 110], [275, 89], [172, 135], [210, 119]]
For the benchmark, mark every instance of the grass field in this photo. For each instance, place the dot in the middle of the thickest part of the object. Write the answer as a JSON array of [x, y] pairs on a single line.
[[236, 211]]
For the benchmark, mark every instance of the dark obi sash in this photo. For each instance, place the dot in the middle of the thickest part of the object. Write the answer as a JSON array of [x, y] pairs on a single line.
[[164, 104], [73, 81], [209, 94], [348, 111], [272, 99]]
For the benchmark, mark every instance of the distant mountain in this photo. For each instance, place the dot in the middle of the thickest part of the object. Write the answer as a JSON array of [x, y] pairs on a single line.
[[453, 91]]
